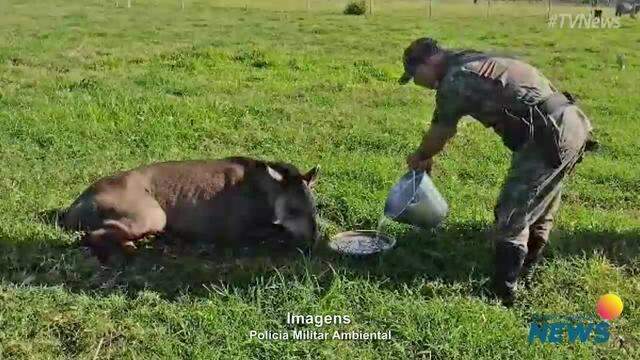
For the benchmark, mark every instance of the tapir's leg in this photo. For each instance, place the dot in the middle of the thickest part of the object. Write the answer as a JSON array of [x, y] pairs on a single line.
[[145, 218], [133, 222], [125, 236], [101, 240]]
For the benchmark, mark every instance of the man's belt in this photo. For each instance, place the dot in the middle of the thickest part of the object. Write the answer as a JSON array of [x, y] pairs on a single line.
[[555, 102], [559, 101], [546, 129]]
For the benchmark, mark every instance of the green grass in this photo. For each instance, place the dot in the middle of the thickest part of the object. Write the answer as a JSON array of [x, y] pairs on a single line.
[[87, 89]]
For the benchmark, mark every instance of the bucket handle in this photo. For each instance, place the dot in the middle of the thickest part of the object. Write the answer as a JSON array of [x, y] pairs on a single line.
[[414, 181], [414, 186]]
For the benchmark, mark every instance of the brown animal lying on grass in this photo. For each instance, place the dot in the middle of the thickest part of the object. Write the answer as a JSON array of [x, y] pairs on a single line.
[[234, 201]]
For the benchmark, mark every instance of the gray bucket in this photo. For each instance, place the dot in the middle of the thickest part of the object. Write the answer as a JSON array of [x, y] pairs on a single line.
[[414, 200]]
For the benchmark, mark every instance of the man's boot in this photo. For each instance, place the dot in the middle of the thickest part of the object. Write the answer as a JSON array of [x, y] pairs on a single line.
[[538, 238], [508, 263], [534, 255]]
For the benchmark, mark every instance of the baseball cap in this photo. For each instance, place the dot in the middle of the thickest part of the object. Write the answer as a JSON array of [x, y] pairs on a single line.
[[415, 54]]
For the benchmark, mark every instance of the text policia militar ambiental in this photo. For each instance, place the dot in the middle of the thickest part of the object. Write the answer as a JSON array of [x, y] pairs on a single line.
[[318, 321]]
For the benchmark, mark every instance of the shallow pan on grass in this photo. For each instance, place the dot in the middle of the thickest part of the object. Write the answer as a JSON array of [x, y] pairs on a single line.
[[361, 243]]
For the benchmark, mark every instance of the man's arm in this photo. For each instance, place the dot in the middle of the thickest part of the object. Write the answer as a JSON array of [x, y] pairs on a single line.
[[443, 128], [435, 139]]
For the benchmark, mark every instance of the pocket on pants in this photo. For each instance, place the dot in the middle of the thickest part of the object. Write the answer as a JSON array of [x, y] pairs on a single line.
[[564, 139], [574, 132]]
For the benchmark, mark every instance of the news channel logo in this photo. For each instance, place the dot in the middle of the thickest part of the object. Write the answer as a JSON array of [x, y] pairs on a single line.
[[555, 329]]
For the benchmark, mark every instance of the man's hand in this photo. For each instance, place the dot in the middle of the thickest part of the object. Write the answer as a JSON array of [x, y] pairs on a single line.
[[417, 161], [433, 142]]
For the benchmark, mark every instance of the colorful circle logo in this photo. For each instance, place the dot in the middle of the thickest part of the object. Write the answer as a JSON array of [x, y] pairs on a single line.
[[609, 306]]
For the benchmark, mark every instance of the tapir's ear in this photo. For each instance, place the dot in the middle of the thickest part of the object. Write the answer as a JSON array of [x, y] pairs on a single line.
[[274, 174], [311, 176]]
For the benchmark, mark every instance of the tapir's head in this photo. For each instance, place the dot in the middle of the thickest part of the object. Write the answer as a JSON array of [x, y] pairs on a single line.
[[293, 204]]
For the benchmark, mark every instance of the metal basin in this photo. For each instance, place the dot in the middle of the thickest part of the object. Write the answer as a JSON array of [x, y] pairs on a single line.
[[361, 243]]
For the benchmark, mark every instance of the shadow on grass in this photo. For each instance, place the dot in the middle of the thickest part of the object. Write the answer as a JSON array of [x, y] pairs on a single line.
[[456, 258], [621, 248], [460, 256], [37, 263], [158, 265]]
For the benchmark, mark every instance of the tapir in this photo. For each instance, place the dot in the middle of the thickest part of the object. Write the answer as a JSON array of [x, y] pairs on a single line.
[[234, 201]]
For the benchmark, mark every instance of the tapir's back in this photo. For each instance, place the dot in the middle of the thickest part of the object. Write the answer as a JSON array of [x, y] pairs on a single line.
[[190, 181], [206, 197]]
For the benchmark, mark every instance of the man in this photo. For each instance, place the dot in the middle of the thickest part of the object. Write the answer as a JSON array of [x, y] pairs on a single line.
[[545, 131]]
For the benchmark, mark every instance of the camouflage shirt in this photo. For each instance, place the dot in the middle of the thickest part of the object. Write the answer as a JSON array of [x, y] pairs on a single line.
[[497, 91]]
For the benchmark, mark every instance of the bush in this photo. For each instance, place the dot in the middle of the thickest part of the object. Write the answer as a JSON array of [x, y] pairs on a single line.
[[356, 8]]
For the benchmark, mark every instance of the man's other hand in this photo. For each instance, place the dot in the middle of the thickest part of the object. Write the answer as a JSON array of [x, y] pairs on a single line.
[[417, 161]]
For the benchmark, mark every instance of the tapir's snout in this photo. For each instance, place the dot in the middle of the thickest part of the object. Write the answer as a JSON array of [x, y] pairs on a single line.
[[302, 228], [295, 208]]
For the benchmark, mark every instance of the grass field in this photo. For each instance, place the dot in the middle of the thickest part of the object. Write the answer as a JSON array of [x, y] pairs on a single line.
[[87, 89]]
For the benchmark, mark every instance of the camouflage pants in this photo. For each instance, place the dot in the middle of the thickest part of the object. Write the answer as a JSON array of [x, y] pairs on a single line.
[[530, 198]]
